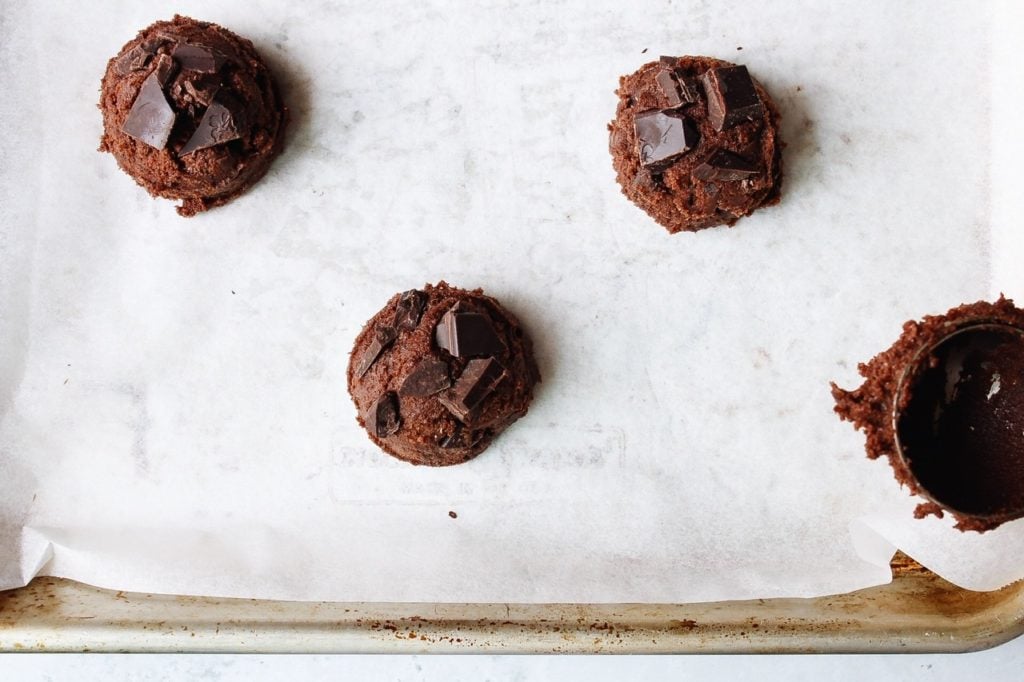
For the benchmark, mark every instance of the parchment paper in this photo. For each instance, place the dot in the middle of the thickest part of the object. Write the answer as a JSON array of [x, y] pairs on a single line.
[[173, 412]]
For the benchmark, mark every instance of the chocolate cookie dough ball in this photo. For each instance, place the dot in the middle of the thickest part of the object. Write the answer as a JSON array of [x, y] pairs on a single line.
[[945, 405], [191, 112], [695, 142], [439, 373]]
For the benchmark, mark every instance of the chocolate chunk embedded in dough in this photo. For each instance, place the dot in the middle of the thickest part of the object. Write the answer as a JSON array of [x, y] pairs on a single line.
[[197, 58], [151, 118], [663, 137], [732, 96], [383, 416], [217, 126], [430, 376], [464, 333], [725, 165], [410, 309], [479, 380], [382, 338]]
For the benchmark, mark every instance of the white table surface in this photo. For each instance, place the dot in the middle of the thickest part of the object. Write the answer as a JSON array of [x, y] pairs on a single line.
[[1002, 664]]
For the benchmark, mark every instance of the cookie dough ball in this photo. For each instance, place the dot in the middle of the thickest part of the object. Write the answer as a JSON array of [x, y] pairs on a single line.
[[439, 373], [191, 112], [695, 142], [945, 405]]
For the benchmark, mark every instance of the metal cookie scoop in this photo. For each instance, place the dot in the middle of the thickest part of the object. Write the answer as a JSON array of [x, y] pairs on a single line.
[[958, 421]]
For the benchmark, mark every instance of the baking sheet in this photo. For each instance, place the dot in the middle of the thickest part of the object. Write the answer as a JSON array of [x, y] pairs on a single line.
[[173, 416]]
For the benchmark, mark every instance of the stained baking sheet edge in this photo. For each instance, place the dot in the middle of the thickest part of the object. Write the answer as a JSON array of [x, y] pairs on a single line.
[[917, 612]]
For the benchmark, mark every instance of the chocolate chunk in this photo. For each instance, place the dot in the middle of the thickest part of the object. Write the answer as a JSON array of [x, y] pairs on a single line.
[[200, 93], [383, 337], [133, 60], [670, 62], [479, 380], [689, 91], [165, 69], [197, 58], [647, 180], [151, 118], [217, 126], [677, 91], [662, 137], [137, 57], [732, 96], [725, 165], [465, 334], [430, 376], [410, 309], [382, 418]]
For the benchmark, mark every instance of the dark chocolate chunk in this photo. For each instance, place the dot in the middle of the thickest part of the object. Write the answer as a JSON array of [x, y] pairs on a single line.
[[688, 89], [137, 57], [165, 69], [197, 58], [382, 338], [410, 308], [677, 91], [647, 180], [479, 380], [151, 118], [725, 165], [732, 96], [662, 137], [217, 126], [382, 418], [430, 376], [670, 62], [200, 93], [465, 334], [133, 60]]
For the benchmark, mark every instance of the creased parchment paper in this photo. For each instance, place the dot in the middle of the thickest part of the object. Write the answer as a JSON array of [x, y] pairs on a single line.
[[173, 412]]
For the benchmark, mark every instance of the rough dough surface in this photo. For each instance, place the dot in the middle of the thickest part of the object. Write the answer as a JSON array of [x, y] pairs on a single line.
[[416, 425], [209, 176], [677, 198]]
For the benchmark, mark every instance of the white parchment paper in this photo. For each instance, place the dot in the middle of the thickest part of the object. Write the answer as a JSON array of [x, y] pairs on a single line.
[[173, 412]]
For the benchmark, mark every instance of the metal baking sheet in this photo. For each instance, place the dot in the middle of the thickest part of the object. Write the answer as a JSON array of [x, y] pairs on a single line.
[[917, 612]]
